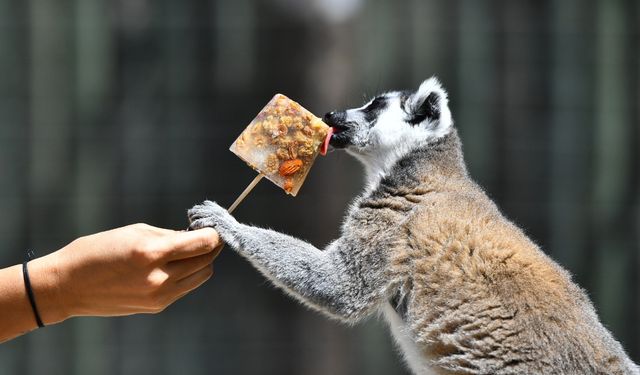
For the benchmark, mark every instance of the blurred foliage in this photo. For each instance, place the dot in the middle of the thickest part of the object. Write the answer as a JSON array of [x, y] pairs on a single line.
[[117, 111]]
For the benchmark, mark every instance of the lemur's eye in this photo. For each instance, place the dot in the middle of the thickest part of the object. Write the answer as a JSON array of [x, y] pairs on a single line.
[[403, 101], [373, 109], [376, 104]]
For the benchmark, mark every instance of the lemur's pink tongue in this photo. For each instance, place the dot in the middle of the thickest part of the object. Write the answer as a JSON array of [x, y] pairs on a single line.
[[325, 145]]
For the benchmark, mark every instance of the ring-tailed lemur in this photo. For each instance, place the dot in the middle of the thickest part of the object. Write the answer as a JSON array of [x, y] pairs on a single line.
[[463, 289]]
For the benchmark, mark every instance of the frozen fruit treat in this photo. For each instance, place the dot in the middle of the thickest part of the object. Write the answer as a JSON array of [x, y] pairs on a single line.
[[282, 142]]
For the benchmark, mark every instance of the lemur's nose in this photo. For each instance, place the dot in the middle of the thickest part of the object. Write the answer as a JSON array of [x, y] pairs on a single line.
[[327, 116], [333, 117]]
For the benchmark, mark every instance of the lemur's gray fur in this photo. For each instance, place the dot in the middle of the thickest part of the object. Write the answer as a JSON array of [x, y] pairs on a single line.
[[463, 289]]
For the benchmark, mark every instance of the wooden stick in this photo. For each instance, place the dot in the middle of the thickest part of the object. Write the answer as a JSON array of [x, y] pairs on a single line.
[[245, 192]]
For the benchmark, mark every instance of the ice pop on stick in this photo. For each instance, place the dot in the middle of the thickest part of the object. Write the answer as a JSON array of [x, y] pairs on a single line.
[[282, 143]]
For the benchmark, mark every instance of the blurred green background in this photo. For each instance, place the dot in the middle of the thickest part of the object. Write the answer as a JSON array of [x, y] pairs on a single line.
[[120, 111]]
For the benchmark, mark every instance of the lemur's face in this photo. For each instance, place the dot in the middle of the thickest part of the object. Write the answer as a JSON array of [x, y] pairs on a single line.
[[392, 121]]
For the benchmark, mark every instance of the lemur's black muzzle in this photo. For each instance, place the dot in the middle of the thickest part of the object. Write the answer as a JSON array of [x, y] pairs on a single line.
[[341, 135], [334, 118]]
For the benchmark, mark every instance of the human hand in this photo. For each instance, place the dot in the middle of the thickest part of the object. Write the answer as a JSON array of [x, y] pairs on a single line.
[[133, 269]]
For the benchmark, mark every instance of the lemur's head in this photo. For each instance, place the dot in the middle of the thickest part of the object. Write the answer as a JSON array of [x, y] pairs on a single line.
[[393, 123]]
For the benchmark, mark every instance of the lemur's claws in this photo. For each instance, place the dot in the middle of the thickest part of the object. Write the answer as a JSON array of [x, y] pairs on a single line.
[[207, 214], [200, 223]]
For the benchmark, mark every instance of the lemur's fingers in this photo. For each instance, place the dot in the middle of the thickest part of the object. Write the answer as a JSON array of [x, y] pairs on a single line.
[[197, 212], [209, 214], [206, 209], [202, 223]]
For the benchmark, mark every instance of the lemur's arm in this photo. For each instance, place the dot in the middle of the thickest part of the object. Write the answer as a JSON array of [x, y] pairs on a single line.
[[329, 280]]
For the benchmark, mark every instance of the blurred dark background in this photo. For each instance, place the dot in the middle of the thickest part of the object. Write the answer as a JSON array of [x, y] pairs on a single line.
[[121, 111]]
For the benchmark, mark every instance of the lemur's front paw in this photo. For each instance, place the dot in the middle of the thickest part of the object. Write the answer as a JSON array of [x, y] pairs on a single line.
[[209, 214]]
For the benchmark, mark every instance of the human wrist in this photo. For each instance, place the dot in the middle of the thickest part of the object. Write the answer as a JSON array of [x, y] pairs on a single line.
[[46, 278]]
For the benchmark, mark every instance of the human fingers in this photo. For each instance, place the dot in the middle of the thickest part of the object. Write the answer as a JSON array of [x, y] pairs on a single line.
[[194, 280], [218, 249], [143, 227], [165, 290], [193, 243], [177, 297], [181, 268]]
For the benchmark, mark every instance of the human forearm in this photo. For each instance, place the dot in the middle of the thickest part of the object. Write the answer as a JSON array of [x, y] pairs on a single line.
[[16, 315]]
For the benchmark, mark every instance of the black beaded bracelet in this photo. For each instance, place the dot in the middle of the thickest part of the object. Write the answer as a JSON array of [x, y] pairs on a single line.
[[27, 285]]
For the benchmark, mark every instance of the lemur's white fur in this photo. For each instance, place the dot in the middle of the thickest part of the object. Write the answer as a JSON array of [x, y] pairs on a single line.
[[392, 137], [416, 361]]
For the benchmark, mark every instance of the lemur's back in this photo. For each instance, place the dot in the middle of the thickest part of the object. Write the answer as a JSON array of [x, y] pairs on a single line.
[[485, 299]]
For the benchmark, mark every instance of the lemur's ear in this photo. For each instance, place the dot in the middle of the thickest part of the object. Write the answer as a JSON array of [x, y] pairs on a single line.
[[429, 103]]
